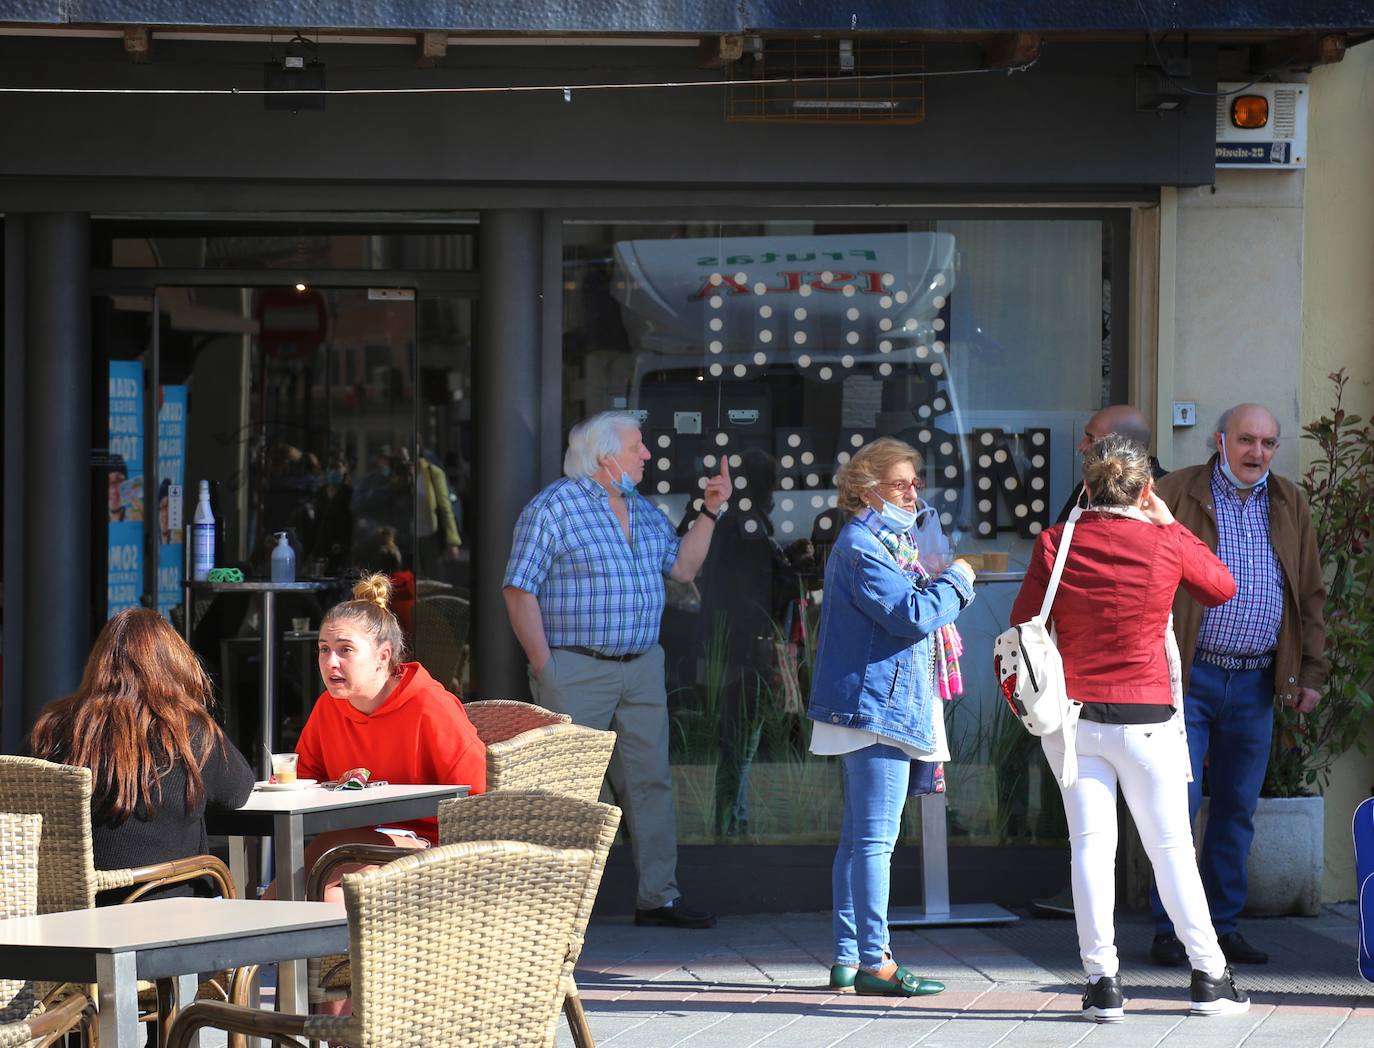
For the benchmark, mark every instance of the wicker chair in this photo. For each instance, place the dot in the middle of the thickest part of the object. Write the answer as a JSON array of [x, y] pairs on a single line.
[[441, 637], [499, 719], [558, 758], [23, 1019], [461, 945], [67, 877], [565, 759], [532, 817]]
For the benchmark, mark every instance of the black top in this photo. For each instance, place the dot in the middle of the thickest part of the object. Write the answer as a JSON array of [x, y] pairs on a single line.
[[172, 832]]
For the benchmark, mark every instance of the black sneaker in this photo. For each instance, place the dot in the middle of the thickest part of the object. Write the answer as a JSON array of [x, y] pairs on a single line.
[[1102, 1000], [1217, 996], [1167, 951], [1238, 951], [674, 914]]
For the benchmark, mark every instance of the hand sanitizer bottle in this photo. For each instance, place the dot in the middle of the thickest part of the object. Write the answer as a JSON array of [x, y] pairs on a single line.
[[202, 536], [283, 560]]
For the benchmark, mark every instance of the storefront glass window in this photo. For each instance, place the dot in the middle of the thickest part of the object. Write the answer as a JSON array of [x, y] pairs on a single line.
[[985, 342]]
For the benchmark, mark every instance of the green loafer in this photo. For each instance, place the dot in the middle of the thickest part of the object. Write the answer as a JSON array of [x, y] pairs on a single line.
[[842, 976], [903, 984]]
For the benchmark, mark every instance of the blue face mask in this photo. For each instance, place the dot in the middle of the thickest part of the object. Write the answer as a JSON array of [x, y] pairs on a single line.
[[623, 484], [895, 517], [1230, 475]]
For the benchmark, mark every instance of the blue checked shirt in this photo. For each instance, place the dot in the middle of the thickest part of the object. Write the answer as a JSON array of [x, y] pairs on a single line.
[[595, 589], [1248, 623]]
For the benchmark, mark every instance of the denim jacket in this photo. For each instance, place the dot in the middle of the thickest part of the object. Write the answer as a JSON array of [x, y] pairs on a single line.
[[874, 655]]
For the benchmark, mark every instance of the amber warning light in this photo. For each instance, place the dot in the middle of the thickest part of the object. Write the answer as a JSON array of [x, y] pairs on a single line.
[[1250, 111]]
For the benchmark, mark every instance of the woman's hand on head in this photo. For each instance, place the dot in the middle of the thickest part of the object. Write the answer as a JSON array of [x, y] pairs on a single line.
[[1156, 509]]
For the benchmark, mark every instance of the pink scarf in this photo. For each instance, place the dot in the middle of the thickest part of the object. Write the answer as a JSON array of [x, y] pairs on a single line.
[[949, 645]]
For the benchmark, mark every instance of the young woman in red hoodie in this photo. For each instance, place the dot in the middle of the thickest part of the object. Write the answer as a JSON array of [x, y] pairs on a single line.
[[384, 714]]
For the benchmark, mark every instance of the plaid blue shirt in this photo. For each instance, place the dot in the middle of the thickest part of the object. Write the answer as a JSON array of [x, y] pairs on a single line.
[[594, 588], [1248, 623]]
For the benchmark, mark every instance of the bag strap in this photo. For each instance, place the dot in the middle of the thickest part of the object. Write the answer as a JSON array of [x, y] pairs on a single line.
[[1059, 559]]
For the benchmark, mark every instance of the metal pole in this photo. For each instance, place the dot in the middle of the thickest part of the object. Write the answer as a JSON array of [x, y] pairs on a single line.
[[13, 711], [507, 380], [56, 502]]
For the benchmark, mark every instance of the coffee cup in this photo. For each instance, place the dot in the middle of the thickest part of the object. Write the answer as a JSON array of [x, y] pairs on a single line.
[[284, 767]]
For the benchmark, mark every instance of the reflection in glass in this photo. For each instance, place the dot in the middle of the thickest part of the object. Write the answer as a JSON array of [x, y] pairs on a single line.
[[981, 342]]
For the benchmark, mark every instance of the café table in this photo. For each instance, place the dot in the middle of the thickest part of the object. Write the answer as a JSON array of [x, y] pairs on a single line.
[[115, 946], [287, 817]]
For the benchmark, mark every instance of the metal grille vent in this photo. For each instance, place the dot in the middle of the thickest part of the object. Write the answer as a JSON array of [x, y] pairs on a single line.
[[1285, 113], [828, 82]]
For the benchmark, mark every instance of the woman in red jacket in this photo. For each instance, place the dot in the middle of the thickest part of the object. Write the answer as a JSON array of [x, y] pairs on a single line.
[[1126, 559], [384, 714]]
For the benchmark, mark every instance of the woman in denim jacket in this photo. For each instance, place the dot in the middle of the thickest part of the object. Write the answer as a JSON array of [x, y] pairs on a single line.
[[886, 655]]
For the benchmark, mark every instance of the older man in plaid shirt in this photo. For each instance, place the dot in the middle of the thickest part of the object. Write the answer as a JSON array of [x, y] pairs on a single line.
[[1265, 644], [584, 590]]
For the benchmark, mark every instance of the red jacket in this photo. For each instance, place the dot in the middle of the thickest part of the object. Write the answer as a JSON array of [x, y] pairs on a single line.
[[419, 736], [1113, 602]]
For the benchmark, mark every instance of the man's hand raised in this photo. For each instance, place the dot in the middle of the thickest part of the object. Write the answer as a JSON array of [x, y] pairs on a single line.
[[718, 487]]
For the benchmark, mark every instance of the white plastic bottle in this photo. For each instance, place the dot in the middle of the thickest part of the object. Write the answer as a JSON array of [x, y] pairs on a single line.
[[202, 536], [283, 560]]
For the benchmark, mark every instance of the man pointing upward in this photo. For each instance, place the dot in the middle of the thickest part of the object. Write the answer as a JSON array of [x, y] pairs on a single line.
[[584, 591]]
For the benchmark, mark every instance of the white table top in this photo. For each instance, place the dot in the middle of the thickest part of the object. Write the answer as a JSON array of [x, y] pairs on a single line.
[[164, 922], [318, 798]]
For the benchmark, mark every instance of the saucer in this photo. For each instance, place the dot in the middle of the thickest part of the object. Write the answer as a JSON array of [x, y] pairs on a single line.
[[283, 787]]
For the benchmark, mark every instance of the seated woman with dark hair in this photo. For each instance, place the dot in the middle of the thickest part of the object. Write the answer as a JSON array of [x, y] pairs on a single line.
[[140, 722]]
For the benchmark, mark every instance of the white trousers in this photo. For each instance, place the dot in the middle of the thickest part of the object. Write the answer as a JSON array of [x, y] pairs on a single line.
[[1150, 762]]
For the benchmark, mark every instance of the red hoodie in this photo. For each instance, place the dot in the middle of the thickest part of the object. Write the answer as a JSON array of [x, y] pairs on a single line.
[[419, 736]]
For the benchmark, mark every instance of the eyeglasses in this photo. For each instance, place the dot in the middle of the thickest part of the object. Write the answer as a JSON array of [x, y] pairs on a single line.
[[913, 484]]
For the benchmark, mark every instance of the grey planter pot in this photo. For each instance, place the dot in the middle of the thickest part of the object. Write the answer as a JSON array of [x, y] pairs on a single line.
[[1285, 866]]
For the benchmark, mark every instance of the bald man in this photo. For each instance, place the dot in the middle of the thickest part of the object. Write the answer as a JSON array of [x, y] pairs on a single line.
[[1265, 644], [1124, 419]]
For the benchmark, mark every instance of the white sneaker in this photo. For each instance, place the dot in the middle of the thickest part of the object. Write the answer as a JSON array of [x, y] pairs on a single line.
[[1217, 996]]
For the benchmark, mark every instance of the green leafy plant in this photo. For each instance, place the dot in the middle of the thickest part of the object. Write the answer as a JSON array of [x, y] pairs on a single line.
[[1340, 490]]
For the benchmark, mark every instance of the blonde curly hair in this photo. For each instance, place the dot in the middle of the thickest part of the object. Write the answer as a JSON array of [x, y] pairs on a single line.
[[866, 469]]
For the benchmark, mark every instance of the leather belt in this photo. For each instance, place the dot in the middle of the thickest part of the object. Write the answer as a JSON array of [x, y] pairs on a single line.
[[1234, 662], [592, 653]]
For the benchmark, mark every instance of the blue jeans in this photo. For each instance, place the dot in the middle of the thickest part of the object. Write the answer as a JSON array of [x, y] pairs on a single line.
[[875, 785], [1230, 719]]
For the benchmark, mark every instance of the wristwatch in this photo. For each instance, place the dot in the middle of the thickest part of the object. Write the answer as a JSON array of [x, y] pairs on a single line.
[[707, 513]]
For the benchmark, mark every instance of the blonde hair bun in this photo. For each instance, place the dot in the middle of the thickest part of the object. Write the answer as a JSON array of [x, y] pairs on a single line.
[[374, 589]]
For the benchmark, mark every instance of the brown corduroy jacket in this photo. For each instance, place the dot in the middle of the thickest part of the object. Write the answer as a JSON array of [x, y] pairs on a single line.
[[1300, 659]]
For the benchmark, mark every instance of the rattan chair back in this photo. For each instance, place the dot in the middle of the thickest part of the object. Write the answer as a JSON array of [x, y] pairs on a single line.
[[499, 719], [61, 794], [565, 759], [441, 636], [543, 819], [462, 945], [19, 842]]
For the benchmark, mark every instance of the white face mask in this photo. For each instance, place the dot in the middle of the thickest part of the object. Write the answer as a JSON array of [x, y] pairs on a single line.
[[1230, 475]]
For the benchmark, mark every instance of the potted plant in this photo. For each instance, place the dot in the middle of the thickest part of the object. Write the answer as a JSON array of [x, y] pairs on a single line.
[[1286, 859]]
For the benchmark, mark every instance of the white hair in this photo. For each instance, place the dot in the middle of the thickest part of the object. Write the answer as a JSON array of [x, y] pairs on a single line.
[[593, 439]]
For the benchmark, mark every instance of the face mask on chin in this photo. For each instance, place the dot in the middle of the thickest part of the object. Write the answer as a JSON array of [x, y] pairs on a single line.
[[622, 483], [895, 517], [1230, 475]]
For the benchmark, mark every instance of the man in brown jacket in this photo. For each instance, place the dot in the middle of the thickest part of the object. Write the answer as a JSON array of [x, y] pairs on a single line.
[[1265, 644]]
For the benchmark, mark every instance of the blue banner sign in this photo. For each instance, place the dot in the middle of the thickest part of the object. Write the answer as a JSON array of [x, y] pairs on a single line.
[[171, 478], [124, 561]]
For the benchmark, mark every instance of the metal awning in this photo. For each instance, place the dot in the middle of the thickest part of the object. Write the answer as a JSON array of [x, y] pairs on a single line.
[[1253, 19]]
